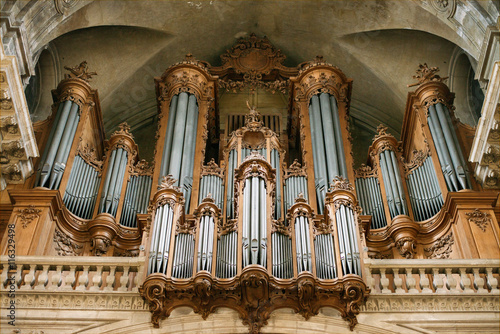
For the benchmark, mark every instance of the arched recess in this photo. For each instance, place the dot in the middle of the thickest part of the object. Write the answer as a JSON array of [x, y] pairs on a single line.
[[469, 96]]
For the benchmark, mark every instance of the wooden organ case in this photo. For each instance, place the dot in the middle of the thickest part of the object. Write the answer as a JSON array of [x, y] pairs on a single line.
[[262, 216]]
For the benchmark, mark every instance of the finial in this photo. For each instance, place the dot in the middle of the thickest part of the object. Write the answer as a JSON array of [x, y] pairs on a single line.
[[426, 74]]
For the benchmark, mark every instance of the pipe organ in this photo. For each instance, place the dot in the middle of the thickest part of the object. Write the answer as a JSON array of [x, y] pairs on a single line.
[[261, 217]]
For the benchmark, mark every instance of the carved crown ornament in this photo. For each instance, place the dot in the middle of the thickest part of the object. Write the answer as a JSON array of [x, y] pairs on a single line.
[[295, 169], [89, 155], [185, 77], [253, 62], [365, 171], [254, 295], [211, 168]]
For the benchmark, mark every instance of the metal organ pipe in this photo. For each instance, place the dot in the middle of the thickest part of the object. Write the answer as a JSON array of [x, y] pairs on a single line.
[[328, 152], [167, 146], [392, 182], [448, 149], [113, 182], [81, 200], [53, 162], [303, 244], [137, 193]]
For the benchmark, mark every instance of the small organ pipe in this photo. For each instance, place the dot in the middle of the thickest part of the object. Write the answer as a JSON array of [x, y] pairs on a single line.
[[338, 137]]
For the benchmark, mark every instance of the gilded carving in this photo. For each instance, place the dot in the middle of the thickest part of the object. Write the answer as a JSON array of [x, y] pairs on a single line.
[[481, 219], [65, 246], [28, 214], [80, 71], [340, 183], [211, 168], [442, 248]]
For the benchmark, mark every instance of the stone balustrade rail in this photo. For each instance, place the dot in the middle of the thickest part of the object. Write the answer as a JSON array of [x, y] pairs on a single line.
[[79, 273], [450, 276]]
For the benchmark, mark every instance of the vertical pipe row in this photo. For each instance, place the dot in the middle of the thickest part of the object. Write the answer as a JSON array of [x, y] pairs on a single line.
[[183, 256], [282, 255], [294, 185], [81, 200], [226, 255], [393, 184], [232, 164], [136, 199], [349, 249], [212, 184], [205, 243], [113, 182], [448, 149], [425, 194], [325, 256], [160, 239], [275, 163]]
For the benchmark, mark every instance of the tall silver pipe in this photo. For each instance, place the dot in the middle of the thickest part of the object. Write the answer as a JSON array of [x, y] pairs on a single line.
[[167, 147], [332, 166], [397, 176], [338, 137], [175, 161], [262, 225]]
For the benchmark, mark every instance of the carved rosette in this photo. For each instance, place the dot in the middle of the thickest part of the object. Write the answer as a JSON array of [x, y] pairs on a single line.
[[254, 295]]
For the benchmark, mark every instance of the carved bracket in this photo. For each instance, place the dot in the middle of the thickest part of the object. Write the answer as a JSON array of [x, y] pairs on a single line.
[[254, 295]]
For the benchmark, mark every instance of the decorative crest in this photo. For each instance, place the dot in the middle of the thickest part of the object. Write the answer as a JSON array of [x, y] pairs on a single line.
[[80, 71], [143, 168], [168, 183], [381, 131], [208, 199], [211, 168], [426, 74], [123, 129], [365, 171], [340, 183], [295, 169], [300, 198], [254, 155]]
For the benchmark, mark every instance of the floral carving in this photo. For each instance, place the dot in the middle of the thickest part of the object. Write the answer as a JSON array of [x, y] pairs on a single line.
[[211, 168], [143, 168], [66, 246], [168, 183], [123, 129], [442, 248], [295, 169], [28, 214], [89, 155], [80, 71], [481, 219]]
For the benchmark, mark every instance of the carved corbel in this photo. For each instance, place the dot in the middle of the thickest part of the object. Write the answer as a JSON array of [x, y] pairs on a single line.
[[404, 231], [103, 230]]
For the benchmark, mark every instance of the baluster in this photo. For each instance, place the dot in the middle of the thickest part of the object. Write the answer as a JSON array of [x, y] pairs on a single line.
[[43, 278], [83, 279], [492, 281], [478, 281], [96, 279], [29, 278], [410, 281], [438, 281], [465, 282], [69, 280], [19, 275], [4, 275], [398, 282], [370, 280], [124, 279], [424, 281], [451, 282], [110, 280], [384, 281], [56, 278]]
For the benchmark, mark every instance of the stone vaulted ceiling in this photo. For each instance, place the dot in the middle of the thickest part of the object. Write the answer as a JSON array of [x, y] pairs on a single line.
[[378, 44]]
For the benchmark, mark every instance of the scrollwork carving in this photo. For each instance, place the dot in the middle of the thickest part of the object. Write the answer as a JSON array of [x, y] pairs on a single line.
[[442, 248], [65, 246], [407, 247]]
